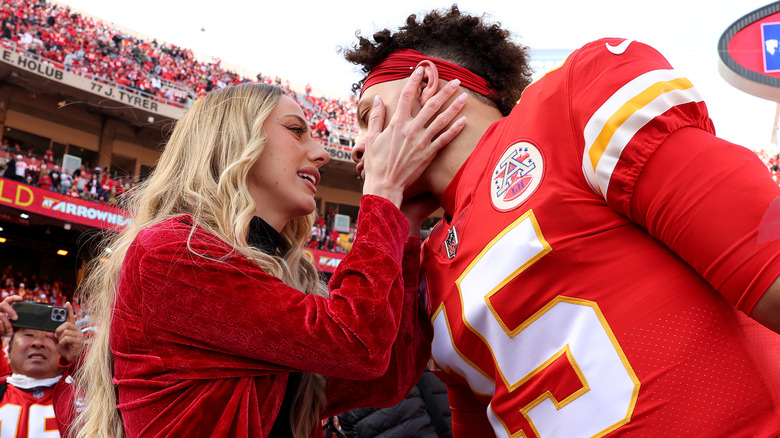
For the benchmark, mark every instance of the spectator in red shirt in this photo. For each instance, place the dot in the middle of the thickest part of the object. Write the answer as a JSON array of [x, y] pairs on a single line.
[[333, 240], [48, 156], [120, 188], [106, 187], [44, 180], [40, 363]]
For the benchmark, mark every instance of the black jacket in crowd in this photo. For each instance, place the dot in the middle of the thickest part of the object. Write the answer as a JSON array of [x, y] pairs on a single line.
[[425, 413]]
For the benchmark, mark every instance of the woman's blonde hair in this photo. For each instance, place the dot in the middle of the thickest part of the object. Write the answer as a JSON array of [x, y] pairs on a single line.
[[202, 172]]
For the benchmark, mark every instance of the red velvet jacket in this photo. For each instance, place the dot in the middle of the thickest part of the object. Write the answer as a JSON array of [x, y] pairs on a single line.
[[203, 340]]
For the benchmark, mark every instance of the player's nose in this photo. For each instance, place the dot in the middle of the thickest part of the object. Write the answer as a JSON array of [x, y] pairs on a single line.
[[358, 150]]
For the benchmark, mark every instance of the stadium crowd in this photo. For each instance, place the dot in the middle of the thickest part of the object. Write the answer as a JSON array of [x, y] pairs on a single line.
[[93, 184], [34, 289], [102, 186], [165, 72], [770, 157]]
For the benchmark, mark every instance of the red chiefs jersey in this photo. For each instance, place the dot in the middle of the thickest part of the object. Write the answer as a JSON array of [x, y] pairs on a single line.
[[598, 244], [28, 414]]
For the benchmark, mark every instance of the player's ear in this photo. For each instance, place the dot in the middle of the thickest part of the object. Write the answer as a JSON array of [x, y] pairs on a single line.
[[430, 82]]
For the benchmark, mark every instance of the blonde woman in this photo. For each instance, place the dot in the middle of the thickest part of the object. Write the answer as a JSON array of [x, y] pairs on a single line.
[[212, 321]]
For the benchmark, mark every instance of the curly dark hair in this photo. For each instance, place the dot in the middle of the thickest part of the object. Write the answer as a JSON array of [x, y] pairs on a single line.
[[462, 39]]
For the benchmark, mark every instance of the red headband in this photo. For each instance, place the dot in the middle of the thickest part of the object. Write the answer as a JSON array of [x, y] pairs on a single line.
[[400, 65]]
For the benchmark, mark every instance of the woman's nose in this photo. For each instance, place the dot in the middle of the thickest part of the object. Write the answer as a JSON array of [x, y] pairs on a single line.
[[320, 155]]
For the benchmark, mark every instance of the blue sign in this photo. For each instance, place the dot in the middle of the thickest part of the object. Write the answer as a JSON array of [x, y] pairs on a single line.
[[770, 38]]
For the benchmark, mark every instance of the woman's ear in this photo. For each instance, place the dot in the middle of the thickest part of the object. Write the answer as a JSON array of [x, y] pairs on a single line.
[[430, 82]]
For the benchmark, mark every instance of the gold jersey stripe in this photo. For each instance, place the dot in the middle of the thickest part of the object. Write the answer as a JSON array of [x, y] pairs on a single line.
[[629, 108], [614, 124]]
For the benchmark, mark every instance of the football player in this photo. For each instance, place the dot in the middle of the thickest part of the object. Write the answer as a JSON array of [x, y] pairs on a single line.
[[606, 265]]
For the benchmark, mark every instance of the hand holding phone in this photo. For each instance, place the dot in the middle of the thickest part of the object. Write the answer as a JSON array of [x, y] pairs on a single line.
[[7, 313], [70, 339]]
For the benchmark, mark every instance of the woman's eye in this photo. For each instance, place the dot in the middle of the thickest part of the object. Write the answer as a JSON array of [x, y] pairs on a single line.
[[298, 130]]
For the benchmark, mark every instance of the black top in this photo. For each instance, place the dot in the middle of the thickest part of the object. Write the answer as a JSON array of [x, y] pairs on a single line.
[[265, 238]]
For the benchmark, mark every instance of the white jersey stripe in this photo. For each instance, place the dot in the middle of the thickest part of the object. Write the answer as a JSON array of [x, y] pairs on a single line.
[[616, 122], [447, 355]]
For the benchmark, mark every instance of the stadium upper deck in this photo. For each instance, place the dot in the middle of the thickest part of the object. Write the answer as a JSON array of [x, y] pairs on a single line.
[[94, 95]]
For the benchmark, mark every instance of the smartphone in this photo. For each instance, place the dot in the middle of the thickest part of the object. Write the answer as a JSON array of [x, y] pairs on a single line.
[[39, 316]]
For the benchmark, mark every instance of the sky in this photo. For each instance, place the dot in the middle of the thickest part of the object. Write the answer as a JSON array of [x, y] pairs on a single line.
[[299, 40]]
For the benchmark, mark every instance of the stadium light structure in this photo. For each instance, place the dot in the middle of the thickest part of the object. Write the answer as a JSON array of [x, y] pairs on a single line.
[[749, 56], [749, 53]]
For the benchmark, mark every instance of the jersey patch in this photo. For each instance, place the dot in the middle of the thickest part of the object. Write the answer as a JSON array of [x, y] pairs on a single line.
[[516, 176], [451, 243]]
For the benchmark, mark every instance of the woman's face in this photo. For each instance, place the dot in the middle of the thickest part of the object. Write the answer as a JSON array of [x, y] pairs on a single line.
[[282, 181]]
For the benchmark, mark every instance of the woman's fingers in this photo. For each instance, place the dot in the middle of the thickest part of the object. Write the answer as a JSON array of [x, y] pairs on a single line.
[[438, 129], [376, 121], [395, 156], [436, 103], [420, 130], [447, 136], [408, 94]]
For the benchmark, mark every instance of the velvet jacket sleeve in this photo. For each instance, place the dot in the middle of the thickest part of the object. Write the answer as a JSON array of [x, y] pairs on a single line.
[[209, 312], [411, 350]]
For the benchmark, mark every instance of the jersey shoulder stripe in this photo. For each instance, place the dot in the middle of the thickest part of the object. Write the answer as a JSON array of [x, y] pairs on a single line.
[[615, 123], [638, 86]]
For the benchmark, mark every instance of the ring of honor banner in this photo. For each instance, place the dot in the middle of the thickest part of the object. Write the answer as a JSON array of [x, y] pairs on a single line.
[[67, 208]]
